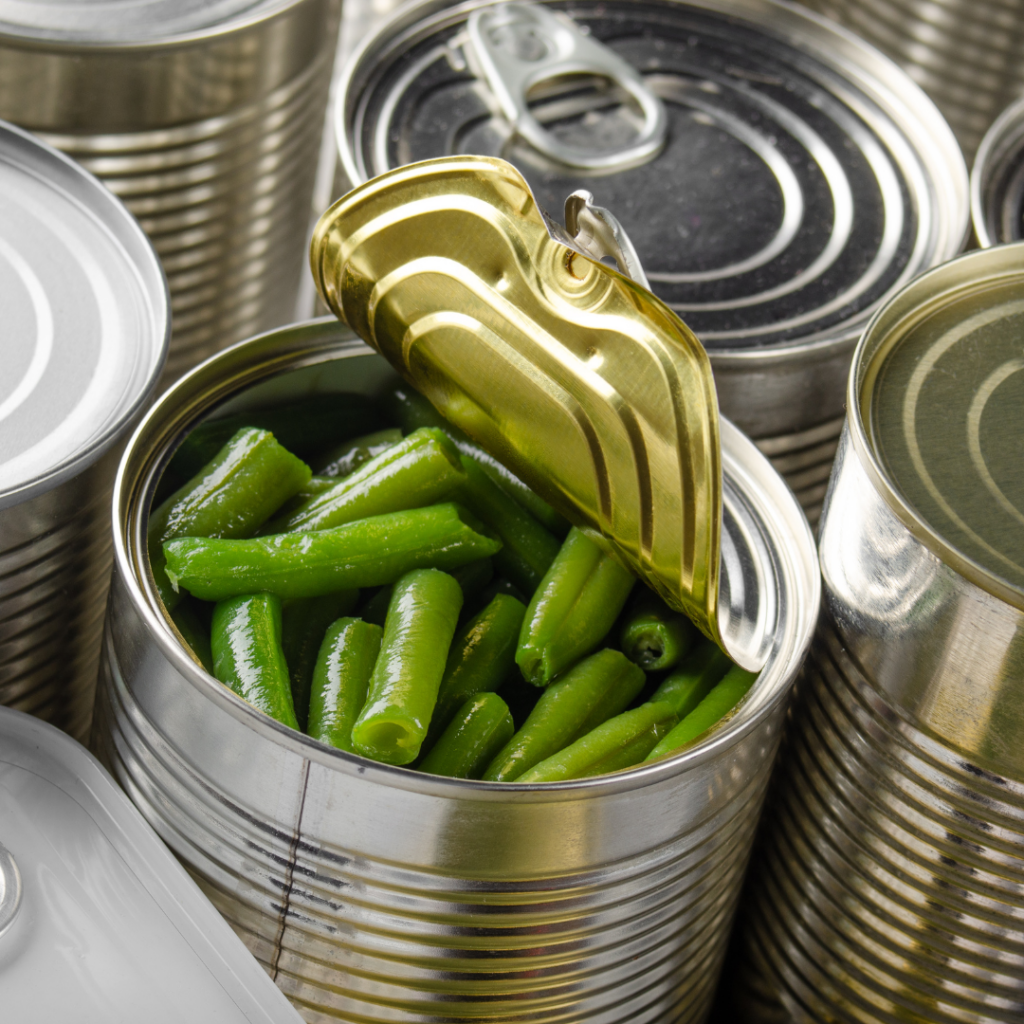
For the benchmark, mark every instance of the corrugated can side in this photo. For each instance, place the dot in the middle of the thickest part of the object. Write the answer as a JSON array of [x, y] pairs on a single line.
[[374, 893]]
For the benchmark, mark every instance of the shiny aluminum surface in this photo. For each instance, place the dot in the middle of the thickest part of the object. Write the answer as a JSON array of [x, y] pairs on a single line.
[[373, 893], [997, 180], [889, 886]]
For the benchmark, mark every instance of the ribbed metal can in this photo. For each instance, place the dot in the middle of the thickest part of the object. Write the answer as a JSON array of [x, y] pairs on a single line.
[[83, 338], [376, 893], [890, 882], [205, 119], [997, 180], [803, 178]]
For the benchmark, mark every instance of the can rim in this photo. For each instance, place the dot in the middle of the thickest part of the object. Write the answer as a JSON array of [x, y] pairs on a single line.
[[134, 488], [936, 287], [1007, 129]]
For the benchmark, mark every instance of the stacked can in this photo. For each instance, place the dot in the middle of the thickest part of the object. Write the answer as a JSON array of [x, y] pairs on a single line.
[[997, 180], [82, 340], [205, 118], [778, 178], [889, 886]]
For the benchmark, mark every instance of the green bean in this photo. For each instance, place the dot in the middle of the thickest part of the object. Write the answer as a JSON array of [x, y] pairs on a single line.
[[304, 623], [590, 693], [723, 697], [231, 496], [247, 656], [653, 635], [481, 656], [304, 426], [619, 743], [403, 688], [341, 679], [572, 610], [368, 553], [411, 410], [195, 634], [375, 608], [480, 727], [689, 684], [527, 548], [420, 471], [473, 579], [348, 457]]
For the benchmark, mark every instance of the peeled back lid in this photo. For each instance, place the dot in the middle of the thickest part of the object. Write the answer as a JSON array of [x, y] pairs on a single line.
[[803, 178], [85, 322]]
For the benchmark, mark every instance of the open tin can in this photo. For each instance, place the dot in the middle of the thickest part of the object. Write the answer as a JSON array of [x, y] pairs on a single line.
[[890, 882], [997, 180], [779, 179]]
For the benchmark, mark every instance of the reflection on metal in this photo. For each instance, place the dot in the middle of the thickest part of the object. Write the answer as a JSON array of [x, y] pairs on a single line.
[[598, 233], [997, 180], [10, 889]]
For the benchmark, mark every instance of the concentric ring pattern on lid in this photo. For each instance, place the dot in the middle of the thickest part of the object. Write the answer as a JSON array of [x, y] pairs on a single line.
[[85, 318], [804, 179]]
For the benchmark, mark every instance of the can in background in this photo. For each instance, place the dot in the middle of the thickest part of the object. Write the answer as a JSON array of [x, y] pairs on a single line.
[[205, 119], [376, 893], [83, 337], [997, 180], [889, 883], [805, 179]]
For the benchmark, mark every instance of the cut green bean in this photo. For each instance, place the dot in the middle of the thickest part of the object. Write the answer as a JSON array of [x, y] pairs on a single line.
[[689, 684], [231, 496], [403, 688], [247, 657], [368, 553], [724, 696], [590, 693], [420, 471], [621, 742], [341, 680], [195, 634], [572, 610], [473, 578], [304, 623], [346, 458], [480, 727], [375, 608], [305, 426], [653, 635]]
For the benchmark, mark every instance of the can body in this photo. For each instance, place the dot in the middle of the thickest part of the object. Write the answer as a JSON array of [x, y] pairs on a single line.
[[370, 892], [889, 883], [997, 181]]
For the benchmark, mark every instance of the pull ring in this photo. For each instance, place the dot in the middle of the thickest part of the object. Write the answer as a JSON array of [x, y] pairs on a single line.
[[516, 46]]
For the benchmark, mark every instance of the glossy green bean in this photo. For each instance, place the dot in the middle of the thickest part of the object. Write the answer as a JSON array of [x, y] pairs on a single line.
[[480, 727], [346, 458], [403, 688], [621, 742], [195, 634], [572, 610], [341, 680], [304, 623], [231, 496], [247, 657], [724, 696], [368, 553], [653, 635], [375, 608], [689, 684], [590, 693]]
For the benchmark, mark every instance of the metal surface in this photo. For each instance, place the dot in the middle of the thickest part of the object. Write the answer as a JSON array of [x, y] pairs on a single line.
[[208, 131], [374, 893], [82, 342], [889, 886], [10, 889], [997, 180]]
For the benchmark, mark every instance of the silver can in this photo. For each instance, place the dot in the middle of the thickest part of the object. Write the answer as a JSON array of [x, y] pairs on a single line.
[[801, 179], [997, 180], [83, 338], [891, 881], [205, 119], [376, 893]]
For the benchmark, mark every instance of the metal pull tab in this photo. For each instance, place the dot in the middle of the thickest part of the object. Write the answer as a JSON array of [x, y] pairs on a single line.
[[516, 46], [597, 232], [10, 889]]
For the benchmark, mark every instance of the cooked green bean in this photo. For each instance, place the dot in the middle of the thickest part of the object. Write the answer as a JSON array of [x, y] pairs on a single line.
[[723, 697], [653, 635], [473, 578], [480, 727], [590, 693], [341, 679], [367, 553], [689, 684], [375, 608], [305, 426], [348, 457], [231, 496], [246, 642], [572, 610], [420, 471], [195, 634], [403, 688], [621, 742], [304, 623]]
